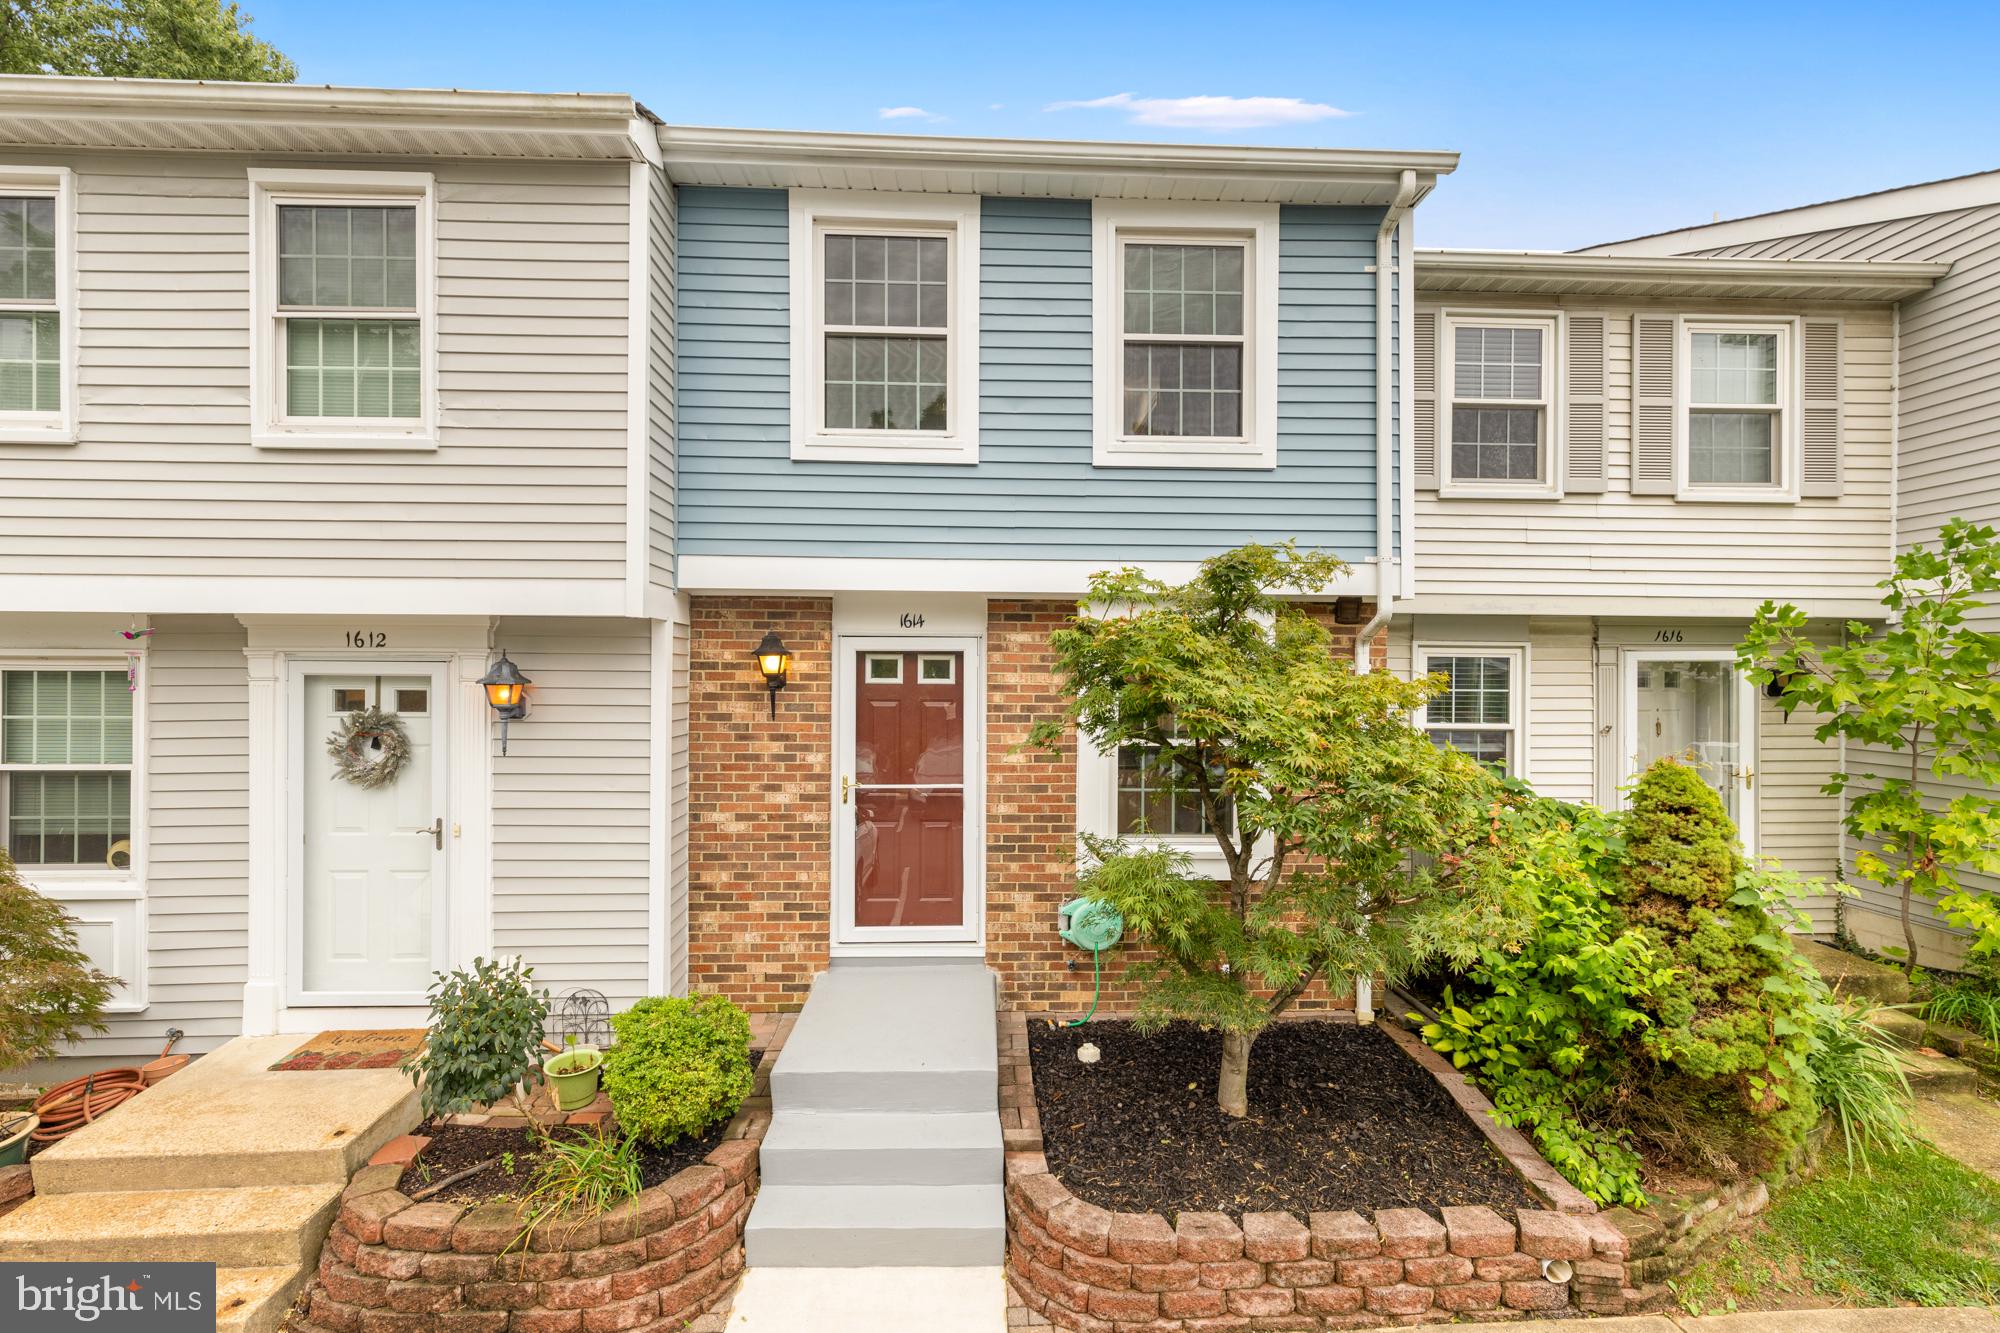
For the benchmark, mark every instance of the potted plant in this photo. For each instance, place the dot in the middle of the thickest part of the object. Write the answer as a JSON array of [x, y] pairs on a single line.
[[15, 1126], [573, 1076]]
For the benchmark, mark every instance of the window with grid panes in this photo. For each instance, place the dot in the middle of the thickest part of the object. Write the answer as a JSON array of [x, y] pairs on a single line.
[[347, 300], [1154, 798], [1733, 407], [1182, 339], [1500, 401], [1475, 713], [65, 765], [30, 319], [886, 315]]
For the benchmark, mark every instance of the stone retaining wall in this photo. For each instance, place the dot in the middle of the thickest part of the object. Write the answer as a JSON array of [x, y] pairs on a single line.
[[394, 1266]]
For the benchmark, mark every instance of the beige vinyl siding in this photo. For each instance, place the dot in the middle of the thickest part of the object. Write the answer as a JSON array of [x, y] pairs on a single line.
[[662, 217], [529, 480], [570, 807], [1949, 461], [1589, 553]]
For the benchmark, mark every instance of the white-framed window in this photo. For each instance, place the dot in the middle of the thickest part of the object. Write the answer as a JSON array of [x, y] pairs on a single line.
[[345, 329], [1502, 428], [885, 327], [1132, 794], [1185, 334], [66, 769], [1739, 409], [37, 305], [1481, 712]]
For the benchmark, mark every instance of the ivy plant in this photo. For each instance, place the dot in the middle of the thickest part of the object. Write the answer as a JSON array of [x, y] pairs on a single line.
[[1919, 697], [485, 1037]]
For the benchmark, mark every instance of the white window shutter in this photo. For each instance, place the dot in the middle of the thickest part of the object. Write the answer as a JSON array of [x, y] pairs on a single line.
[[1583, 465], [1820, 462], [1424, 401], [1605, 714], [1655, 418]]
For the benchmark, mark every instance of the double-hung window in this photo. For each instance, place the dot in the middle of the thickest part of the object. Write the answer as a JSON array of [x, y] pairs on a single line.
[[37, 314], [345, 265], [66, 767], [1502, 404], [1479, 711], [1156, 799], [885, 347], [1737, 382], [1186, 335]]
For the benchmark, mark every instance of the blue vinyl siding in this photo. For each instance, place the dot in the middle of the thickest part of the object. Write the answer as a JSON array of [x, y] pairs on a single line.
[[1034, 494]]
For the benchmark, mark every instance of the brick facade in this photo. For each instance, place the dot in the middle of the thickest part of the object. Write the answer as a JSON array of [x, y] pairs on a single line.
[[759, 796]]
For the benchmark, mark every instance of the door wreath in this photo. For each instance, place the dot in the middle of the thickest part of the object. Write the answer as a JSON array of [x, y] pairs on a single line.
[[369, 748]]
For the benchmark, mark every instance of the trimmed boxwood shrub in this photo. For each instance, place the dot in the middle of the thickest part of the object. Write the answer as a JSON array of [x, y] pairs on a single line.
[[677, 1066]]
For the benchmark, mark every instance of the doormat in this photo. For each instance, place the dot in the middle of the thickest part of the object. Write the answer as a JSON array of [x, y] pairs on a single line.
[[354, 1048]]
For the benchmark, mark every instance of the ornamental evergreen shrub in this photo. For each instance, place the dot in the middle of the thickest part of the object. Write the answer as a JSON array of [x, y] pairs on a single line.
[[49, 992], [677, 1066], [485, 1036]]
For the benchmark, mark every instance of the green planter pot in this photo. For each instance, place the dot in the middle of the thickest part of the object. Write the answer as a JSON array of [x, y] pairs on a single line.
[[573, 1076], [14, 1139]]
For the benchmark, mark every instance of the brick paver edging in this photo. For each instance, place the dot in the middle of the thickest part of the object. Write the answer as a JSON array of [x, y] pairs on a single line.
[[1078, 1266]]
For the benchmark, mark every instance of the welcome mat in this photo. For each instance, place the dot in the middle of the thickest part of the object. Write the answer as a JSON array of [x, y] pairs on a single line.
[[354, 1048]]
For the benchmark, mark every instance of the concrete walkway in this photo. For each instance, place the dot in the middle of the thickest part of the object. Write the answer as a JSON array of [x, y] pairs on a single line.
[[871, 1300]]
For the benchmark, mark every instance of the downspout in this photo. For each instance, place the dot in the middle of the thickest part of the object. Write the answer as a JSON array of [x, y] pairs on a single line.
[[1385, 470]]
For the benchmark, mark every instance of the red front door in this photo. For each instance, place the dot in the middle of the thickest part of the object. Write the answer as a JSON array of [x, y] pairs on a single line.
[[909, 789]]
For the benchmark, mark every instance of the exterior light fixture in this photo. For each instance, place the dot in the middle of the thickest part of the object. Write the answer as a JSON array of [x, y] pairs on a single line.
[[774, 660], [1347, 610], [506, 690]]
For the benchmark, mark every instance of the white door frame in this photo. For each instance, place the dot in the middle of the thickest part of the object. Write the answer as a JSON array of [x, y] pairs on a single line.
[[1746, 726], [437, 671], [969, 937]]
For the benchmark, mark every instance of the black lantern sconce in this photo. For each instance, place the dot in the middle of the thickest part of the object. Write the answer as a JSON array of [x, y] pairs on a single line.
[[506, 690], [1775, 687], [774, 661], [1347, 610]]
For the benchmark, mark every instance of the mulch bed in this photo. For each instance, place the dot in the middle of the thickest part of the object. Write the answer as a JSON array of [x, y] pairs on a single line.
[[1340, 1118], [453, 1148]]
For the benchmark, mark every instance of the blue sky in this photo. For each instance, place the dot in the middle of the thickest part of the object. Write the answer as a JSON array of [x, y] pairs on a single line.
[[1578, 123]]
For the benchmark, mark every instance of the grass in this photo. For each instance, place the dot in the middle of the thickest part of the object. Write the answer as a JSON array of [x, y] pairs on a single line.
[[1914, 1229]]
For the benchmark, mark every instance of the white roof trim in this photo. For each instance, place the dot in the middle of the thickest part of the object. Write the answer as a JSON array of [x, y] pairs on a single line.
[[1906, 201], [1545, 273], [1054, 167], [40, 111]]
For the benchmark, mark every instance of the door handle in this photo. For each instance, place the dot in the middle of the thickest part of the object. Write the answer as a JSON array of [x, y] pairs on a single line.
[[436, 832], [846, 783]]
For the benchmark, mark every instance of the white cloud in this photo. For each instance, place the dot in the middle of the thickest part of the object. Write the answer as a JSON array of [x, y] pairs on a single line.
[[1208, 113], [907, 113]]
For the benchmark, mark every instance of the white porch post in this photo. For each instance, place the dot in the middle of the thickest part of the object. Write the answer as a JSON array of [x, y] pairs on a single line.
[[263, 990]]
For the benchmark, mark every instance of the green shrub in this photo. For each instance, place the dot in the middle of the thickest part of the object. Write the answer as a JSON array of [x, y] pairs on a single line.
[[1970, 1000], [49, 992], [1858, 1079], [576, 1179], [676, 1066], [485, 1036]]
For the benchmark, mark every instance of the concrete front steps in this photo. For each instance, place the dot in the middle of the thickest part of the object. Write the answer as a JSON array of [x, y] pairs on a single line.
[[224, 1163], [884, 1148]]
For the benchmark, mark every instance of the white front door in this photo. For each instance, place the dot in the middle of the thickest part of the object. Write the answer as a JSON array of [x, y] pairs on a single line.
[[1692, 705], [369, 906]]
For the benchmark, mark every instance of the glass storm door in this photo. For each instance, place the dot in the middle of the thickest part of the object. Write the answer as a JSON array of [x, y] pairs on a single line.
[[1695, 708], [907, 805], [369, 906]]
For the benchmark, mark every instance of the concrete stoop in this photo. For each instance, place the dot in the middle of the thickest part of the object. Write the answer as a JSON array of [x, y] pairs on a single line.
[[224, 1163], [884, 1147]]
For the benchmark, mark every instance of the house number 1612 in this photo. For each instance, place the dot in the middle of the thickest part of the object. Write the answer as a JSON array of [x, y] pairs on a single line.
[[367, 638]]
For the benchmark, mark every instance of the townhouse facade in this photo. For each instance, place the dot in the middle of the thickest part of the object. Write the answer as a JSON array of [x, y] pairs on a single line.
[[772, 460]]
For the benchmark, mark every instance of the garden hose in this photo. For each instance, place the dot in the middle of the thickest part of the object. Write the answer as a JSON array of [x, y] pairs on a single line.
[[1096, 988], [70, 1106]]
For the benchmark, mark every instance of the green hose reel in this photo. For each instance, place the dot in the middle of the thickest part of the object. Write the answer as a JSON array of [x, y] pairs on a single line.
[[1090, 924]]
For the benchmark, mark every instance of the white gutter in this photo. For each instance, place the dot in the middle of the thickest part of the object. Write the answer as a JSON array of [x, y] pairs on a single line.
[[1385, 441], [1385, 458]]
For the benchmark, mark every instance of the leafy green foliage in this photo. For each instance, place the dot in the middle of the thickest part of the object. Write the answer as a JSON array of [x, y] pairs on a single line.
[[1551, 1033], [1970, 999], [137, 39], [677, 1066], [485, 1033], [1856, 1076], [49, 992], [1926, 687], [1353, 844], [577, 1178]]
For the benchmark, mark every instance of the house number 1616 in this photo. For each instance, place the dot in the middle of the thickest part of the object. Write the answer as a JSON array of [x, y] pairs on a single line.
[[367, 638], [1666, 636]]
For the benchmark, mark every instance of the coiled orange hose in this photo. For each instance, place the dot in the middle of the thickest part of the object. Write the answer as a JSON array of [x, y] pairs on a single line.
[[68, 1107]]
